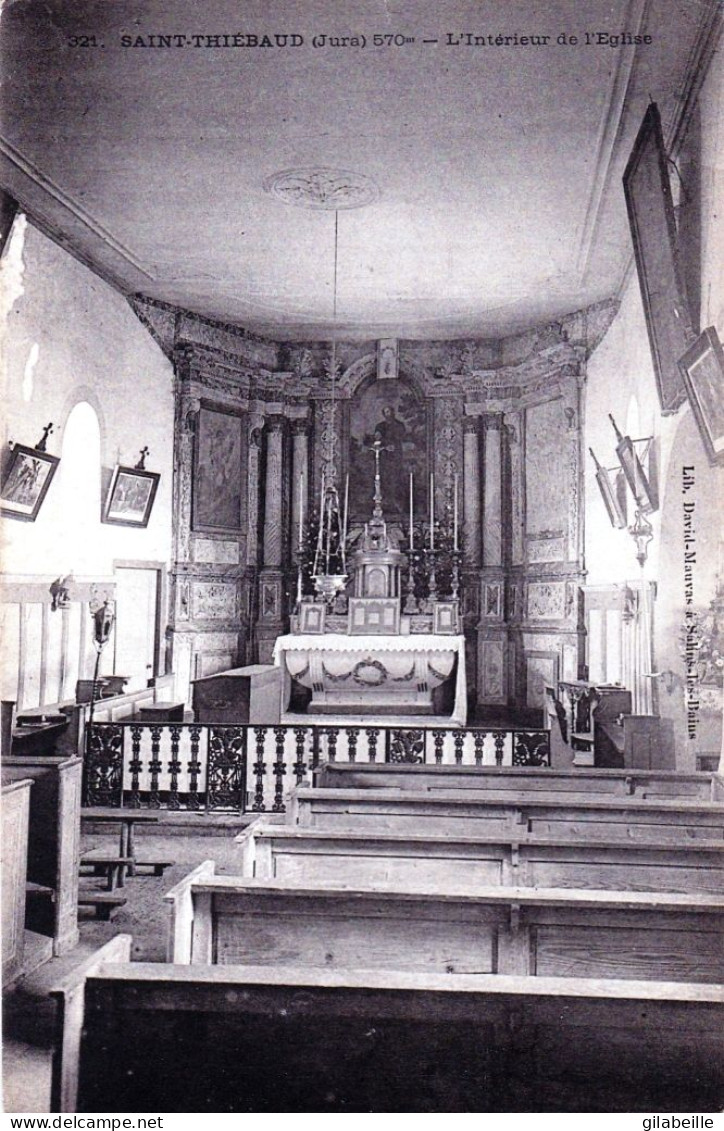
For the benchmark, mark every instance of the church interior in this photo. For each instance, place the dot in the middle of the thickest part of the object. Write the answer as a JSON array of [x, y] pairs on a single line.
[[362, 575]]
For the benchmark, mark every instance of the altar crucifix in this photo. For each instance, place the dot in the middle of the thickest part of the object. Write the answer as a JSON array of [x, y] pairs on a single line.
[[376, 449]]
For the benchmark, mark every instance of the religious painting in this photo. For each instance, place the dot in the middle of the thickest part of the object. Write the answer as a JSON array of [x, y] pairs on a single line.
[[390, 412], [702, 367], [217, 499], [130, 496], [26, 483], [653, 232]]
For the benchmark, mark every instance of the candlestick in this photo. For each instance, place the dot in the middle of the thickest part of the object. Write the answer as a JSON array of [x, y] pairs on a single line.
[[432, 510], [412, 535], [455, 515], [320, 532]]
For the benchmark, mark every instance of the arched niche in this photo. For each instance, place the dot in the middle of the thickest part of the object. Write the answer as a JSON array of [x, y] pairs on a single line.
[[397, 412]]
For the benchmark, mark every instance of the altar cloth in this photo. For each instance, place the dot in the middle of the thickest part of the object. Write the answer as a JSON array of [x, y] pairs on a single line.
[[304, 654]]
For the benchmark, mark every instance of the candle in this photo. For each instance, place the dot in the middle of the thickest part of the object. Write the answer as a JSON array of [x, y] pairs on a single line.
[[301, 509], [455, 515], [432, 511], [320, 534], [412, 537], [346, 514]]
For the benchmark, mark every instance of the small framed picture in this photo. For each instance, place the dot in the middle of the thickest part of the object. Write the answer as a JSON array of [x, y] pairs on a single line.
[[702, 367], [130, 496], [653, 232], [611, 497], [29, 475], [311, 617]]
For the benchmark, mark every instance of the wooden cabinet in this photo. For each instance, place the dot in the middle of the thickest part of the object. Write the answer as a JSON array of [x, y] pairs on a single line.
[[239, 696]]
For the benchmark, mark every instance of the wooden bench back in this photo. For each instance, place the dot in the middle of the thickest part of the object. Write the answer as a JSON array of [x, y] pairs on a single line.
[[459, 812], [263, 1040], [497, 930], [457, 863], [581, 782]]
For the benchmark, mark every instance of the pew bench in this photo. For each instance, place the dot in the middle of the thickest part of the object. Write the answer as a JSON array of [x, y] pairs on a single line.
[[270, 851], [53, 847], [114, 868], [104, 903], [345, 1040], [456, 811], [126, 860], [232, 920], [574, 783], [13, 874]]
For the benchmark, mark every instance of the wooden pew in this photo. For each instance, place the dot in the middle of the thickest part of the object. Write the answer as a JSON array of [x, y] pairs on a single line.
[[458, 863], [231, 920], [209, 1039], [580, 783], [455, 811], [53, 844], [14, 860], [69, 993]]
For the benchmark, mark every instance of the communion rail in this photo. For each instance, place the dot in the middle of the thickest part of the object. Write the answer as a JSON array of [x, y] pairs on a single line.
[[201, 767]]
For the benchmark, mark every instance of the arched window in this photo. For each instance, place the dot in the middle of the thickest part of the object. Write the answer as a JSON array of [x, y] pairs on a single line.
[[80, 483]]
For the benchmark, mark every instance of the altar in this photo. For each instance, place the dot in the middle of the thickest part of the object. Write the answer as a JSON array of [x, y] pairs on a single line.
[[360, 650], [363, 678]]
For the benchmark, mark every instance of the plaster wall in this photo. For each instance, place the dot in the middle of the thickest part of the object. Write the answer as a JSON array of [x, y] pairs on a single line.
[[70, 339], [620, 380]]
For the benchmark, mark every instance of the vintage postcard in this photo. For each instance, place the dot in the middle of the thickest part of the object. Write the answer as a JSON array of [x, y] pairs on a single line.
[[362, 556]]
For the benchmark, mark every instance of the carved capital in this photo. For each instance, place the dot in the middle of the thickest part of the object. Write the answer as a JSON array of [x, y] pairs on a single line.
[[492, 421], [470, 425], [301, 426], [275, 422]]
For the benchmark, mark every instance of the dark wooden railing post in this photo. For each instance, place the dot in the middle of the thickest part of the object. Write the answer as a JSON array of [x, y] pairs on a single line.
[[135, 767], [280, 770], [194, 768], [155, 766], [174, 768], [259, 771]]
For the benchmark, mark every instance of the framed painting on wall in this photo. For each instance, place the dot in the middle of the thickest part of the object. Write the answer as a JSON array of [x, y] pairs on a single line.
[[217, 484], [25, 485], [389, 411], [130, 496], [653, 231], [702, 368]]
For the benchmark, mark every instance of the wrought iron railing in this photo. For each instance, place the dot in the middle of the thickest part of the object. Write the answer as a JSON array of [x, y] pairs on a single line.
[[200, 767]]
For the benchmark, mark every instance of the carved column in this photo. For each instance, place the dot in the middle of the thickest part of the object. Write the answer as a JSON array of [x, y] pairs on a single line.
[[256, 423], [493, 492], [493, 653], [513, 428], [179, 639], [300, 477], [273, 493], [471, 491], [270, 621]]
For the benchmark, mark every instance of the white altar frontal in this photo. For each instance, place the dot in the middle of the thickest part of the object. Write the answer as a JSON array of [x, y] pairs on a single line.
[[355, 680]]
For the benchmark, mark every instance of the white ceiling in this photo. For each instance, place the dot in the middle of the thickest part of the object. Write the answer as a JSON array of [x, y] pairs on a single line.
[[499, 168]]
